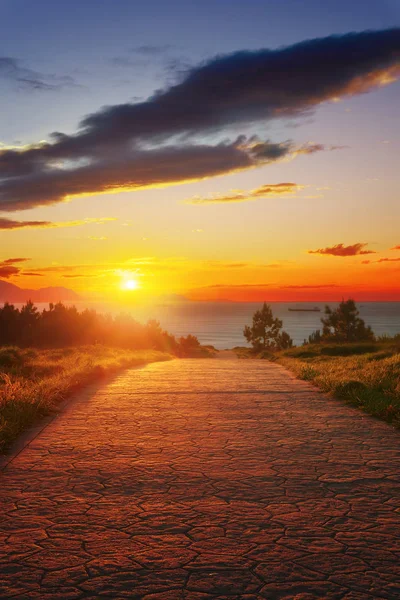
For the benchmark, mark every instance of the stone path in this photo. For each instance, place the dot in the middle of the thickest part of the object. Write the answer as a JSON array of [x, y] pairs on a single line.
[[199, 479]]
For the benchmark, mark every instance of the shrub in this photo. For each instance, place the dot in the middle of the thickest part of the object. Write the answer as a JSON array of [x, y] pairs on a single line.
[[10, 357], [348, 350], [265, 332]]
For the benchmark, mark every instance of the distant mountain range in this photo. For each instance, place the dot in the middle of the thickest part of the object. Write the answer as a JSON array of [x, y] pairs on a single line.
[[12, 293]]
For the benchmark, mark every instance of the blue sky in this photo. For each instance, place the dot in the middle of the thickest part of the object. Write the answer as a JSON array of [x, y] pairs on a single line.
[[81, 40], [65, 60]]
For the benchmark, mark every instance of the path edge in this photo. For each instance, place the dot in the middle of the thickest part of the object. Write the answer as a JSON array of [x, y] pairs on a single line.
[[29, 435]]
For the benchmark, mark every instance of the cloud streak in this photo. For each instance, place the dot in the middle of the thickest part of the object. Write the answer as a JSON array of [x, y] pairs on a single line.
[[8, 268], [341, 250], [161, 141], [381, 260], [12, 70], [11, 224], [264, 191]]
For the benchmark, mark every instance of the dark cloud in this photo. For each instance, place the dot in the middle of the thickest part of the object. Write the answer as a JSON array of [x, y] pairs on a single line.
[[6, 224], [341, 250], [8, 271], [8, 268], [136, 170], [245, 87], [32, 274], [11, 224], [12, 70], [160, 141]]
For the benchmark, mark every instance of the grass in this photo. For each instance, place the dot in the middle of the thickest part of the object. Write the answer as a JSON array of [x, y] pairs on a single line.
[[33, 382], [245, 352], [364, 375]]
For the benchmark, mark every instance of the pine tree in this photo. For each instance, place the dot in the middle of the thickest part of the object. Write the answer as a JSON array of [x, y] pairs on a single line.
[[265, 333]]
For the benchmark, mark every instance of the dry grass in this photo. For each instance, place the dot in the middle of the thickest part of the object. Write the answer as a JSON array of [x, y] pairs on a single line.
[[32, 382], [364, 375]]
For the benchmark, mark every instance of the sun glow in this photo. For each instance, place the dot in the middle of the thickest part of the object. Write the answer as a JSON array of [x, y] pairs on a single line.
[[130, 284]]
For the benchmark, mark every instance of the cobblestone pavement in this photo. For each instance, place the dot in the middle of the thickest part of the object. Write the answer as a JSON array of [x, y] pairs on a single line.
[[199, 479]]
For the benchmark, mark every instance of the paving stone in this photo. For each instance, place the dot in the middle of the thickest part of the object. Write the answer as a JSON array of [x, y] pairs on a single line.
[[223, 582], [203, 479]]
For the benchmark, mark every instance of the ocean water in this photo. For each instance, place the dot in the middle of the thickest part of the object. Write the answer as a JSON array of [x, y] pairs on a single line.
[[221, 323]]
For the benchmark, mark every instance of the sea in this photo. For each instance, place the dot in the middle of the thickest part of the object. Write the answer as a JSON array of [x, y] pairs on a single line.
[[221, 323]]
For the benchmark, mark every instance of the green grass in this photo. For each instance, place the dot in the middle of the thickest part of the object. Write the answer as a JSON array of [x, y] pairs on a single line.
[[32, 381], [364, 375]]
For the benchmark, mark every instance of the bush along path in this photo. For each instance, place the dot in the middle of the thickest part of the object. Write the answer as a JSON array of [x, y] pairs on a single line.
[[198, 479]]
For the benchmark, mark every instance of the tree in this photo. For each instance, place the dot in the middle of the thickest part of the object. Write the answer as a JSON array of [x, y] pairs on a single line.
[[284, 341], [9, 325], [343, 325], [28, 319], [265, 333]]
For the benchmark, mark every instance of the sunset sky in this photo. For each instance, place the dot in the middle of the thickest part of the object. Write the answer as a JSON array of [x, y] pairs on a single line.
[[220, 150]]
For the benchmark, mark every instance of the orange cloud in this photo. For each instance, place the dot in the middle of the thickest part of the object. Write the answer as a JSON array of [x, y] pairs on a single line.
[[381, 260], [12, 261], [341, 250], [8, 268], [264, 191], [8, 271]]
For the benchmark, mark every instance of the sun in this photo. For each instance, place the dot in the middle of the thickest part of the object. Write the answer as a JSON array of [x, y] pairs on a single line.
[[130, 284]]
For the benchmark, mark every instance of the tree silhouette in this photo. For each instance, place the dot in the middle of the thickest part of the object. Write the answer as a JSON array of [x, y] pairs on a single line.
[[9, 324], [28, 319], [62, 325], [342, 325], [265, 332]]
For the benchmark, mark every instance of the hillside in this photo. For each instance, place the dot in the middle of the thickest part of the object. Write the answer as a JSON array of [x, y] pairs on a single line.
[[12, 293]]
